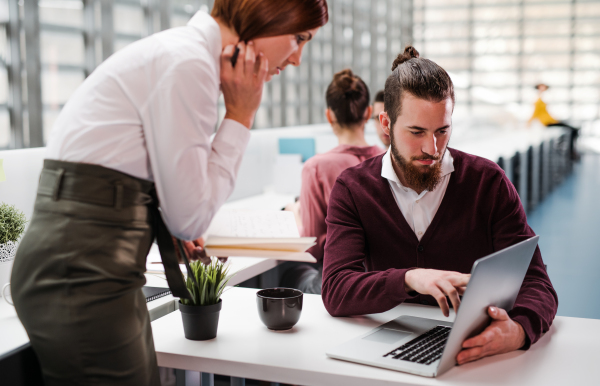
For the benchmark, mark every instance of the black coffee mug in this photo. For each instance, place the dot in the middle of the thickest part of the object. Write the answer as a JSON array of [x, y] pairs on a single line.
[[279, 308]]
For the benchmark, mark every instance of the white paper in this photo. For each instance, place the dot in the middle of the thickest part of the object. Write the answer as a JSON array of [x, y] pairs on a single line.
[[253, 223]]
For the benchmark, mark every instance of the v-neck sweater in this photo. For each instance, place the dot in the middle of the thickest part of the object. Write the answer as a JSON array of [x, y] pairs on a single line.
[[370, 246]]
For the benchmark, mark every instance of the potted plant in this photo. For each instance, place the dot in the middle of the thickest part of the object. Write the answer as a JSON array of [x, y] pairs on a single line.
[[200, 314], [12, 226]]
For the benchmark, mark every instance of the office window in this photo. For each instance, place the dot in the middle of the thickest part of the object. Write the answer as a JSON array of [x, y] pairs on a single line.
[[499, 49], [5, 133], [75, 36]]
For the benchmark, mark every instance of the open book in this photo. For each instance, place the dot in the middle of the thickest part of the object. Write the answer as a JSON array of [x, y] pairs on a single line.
[[257, 233]]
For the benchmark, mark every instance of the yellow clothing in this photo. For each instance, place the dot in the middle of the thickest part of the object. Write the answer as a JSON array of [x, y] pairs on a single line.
[[540, 113]]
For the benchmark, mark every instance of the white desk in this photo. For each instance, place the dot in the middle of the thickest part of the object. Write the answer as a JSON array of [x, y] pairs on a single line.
[[13, 335], [533, 181], [245, 348], [242, 268]]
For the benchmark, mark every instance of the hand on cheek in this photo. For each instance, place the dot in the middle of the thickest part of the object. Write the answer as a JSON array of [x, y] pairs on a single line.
[[501, 336], [242, 85]]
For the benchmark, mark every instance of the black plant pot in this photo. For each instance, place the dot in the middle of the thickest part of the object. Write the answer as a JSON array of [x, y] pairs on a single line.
[[200, 322]]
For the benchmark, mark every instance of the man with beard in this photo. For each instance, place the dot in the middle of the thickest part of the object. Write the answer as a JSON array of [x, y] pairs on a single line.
[[407, 226]]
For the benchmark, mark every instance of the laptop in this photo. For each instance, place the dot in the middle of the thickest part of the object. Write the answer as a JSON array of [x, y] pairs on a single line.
[[429, 347]]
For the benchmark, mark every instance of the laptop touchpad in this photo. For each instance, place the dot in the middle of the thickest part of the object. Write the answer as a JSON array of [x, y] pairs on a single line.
[[387, 336]]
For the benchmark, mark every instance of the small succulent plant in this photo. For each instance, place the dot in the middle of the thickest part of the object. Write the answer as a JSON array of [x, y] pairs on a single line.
[[211, 280]]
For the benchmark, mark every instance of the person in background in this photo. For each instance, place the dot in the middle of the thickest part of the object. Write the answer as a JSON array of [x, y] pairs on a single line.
[[541, 114], [407, 226], [378, 108], [348, 110], [131, 159]]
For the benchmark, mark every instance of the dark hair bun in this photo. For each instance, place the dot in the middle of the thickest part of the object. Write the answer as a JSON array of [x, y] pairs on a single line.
[[409, 53], [348, 97], [347, 83]]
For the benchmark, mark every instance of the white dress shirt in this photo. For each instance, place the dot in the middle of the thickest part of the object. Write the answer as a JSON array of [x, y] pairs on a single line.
[[418, 209], [149, 111]]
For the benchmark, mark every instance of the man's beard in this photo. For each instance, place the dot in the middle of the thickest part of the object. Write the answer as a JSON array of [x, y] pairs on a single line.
[[418, 178]]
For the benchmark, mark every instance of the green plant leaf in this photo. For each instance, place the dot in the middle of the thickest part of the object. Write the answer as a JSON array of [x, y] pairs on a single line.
[[12, 223], [211, 279]]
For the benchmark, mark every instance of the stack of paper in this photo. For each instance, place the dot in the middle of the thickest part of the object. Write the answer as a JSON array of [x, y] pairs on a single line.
[[254, 233]]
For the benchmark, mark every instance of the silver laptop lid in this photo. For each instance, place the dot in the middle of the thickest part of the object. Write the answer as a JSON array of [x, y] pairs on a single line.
[[495, 281]]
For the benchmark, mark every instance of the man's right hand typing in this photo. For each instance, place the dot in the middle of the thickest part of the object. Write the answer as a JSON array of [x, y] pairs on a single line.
[[439, 284]]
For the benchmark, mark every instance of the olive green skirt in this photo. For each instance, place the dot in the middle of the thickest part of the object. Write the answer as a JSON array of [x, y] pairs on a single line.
[[77, 277]]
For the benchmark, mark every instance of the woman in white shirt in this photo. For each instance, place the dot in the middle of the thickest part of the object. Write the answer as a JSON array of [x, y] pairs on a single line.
[[133, 137]]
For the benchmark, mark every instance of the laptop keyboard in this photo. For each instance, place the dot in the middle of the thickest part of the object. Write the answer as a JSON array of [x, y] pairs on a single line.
[[425, 348]]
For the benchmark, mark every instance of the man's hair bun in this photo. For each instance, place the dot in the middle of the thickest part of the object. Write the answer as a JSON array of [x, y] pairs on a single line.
[[409, 53], [420, 78]]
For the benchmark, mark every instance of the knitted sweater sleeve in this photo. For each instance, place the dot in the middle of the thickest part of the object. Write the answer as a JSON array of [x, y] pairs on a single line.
[[537, 302], [347, 288]]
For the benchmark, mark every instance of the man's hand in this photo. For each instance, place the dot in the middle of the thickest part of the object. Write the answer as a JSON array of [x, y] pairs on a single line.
[[501, 336], [195, 251], [438, 284], [242, 85]]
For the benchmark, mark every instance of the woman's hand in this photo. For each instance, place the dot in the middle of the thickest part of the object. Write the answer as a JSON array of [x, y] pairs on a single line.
[[195, 251], [242, 85]]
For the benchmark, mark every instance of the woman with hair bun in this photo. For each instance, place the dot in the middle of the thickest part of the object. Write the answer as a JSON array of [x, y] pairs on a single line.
[[348, 109], [131, 159]]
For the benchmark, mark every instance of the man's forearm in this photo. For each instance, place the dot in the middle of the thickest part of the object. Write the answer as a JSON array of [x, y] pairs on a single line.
[[347, 292]]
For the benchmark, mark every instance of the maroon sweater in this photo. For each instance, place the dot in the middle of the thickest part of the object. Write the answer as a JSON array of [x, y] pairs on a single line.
[[370, 246]]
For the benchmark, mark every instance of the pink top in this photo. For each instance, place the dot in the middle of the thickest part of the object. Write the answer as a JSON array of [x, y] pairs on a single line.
[[318, 177]]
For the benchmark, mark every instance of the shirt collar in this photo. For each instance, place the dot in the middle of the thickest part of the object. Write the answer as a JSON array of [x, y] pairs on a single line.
[[388, 172], [209, 28]]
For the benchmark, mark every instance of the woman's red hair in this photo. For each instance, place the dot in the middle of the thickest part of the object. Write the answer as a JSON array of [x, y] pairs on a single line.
[[253, 19]]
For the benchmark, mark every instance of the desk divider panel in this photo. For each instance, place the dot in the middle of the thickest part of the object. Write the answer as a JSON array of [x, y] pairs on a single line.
[[302, 146]]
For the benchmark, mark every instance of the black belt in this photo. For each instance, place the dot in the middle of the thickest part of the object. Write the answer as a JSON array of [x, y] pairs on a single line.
[[111, 188], [169, 257]]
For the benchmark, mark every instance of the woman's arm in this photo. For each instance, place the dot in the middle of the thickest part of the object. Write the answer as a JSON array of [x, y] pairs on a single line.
[[314, 209], [193, 175]]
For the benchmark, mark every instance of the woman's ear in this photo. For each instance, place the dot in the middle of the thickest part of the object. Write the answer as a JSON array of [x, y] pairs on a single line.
[[368, 113], [386, 124], [330, 116]]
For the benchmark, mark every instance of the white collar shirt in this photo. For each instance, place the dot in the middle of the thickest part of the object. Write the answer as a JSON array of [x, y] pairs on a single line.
[[150, 111], [418, 209]]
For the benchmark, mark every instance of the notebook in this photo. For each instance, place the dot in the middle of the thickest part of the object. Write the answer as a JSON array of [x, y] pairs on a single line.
[[153, 293]]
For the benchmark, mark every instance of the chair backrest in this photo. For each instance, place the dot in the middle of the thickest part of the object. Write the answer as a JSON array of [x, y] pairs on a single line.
[[22, 168]]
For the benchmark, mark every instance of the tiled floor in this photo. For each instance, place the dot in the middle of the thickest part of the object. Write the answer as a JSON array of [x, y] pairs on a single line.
[[568, 222]]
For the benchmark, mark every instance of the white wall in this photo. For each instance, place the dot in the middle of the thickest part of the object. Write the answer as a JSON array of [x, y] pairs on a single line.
[[22, 168], [261, 162]]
